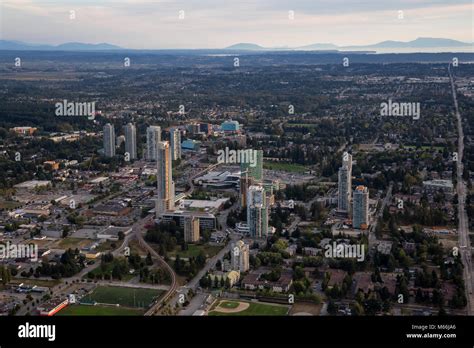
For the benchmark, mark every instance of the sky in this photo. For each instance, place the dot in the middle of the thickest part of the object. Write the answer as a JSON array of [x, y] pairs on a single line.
[[161, 24]]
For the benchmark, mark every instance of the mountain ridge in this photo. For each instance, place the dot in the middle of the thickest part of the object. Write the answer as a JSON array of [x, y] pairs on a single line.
[[418, 43]]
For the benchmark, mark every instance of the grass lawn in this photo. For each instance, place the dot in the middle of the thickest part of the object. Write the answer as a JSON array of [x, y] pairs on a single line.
[[129, 297], [228, 304], [254, 309], [108, 245], [194, 249], [72, 243], [287, 167], [108, 271], [98, 310]]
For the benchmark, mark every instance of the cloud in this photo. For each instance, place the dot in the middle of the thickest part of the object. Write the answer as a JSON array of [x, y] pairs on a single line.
[[211, 23]]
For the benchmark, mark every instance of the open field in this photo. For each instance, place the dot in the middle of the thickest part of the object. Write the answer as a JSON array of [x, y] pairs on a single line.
[[301, 308], [108, 246], [286, 167], [98, 310], [243, 308], [72, 243], [128, 297], [229, 304], [108, 268], [195, 249]]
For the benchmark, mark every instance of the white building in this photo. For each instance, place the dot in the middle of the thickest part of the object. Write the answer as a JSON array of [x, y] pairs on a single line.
[[240, 253], [345, 184], [257, 212], [109, 140], [360, 213], [131, 140]]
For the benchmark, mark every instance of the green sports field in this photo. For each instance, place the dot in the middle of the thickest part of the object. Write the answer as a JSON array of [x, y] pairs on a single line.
[[287, 167], [81, 310], [254, 309], [127, 297], [229, 304]]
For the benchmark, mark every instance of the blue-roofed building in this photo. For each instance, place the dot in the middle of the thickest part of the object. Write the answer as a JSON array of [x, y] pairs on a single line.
[[190, 145], [230, 126]]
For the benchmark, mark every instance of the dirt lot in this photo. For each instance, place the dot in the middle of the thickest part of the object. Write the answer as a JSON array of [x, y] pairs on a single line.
[[305, 309]]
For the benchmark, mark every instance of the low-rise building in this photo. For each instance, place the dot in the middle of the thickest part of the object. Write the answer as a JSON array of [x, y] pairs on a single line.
[[113, 233]]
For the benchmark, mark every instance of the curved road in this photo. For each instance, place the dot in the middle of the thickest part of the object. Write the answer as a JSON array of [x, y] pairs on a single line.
[[137, 232]]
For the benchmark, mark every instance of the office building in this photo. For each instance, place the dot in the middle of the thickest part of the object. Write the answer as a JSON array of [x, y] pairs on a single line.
[[207, 221], [191, 229], [205, 128]]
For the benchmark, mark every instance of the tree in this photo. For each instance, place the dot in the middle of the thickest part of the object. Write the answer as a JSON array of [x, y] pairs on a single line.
[[65, 231], [5, 275], [149, 260], [332, 308]]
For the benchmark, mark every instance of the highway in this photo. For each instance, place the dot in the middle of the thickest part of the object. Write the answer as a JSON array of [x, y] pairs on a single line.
[[463, 223]]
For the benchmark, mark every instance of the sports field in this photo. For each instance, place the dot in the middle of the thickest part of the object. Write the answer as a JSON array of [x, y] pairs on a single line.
[[98, 310], [242, 308], [127, 297], [286, 167]]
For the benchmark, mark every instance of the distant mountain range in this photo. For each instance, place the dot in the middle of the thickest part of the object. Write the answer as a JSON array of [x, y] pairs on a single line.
[[69, 46], [419, 43]]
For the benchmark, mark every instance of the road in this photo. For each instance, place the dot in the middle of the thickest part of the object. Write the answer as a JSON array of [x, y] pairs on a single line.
[[463, 223], [211, 263], [62, 289], [386, 200], [137, 230], [140, 226]]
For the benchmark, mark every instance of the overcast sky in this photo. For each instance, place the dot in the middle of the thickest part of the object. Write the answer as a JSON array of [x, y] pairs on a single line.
[[155, 24]]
